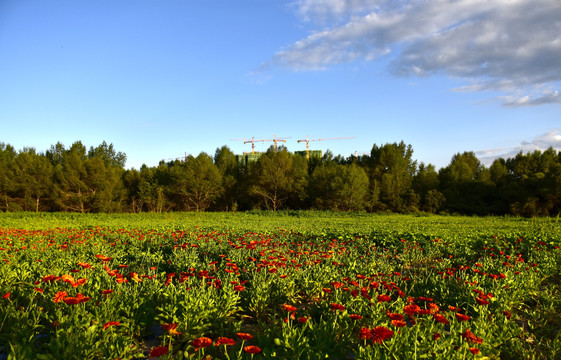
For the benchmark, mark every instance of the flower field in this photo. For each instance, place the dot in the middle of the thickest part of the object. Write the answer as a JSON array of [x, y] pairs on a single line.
[[288, 286]]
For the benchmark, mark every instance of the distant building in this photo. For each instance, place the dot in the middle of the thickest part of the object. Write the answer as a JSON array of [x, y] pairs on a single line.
[[313, 153], [247, 158]]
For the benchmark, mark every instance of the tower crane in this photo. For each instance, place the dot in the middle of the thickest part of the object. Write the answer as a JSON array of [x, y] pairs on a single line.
[[275, 140], [307, 140]]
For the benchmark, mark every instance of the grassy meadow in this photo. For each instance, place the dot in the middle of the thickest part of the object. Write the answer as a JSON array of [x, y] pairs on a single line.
[[286, 285]]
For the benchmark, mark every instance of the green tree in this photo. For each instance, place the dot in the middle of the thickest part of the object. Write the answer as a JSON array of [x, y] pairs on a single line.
[[535, 183], [391, 170], [7, 183], [108, 155], [227, 164], [426, 183], [70, 173], [33, 175], [339, 187], [88, 181], [152, 188], [278, 176], [197, 182], [131, 182], [466, 185]]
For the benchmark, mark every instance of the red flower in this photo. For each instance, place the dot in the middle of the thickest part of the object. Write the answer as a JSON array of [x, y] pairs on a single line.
[[50, 278], [335, 306], [365, 333], [73, 300], [111, 323], [422, 298], [302, 319], [289, 308], [244, 336], [507, 314], [481, 301], [440, 318], [224, 341], [59, 296], [6, 295], [436, 336], [158, 351], [395, 316], [380, 334], [399, 323], [411, 309], [355, 316], [474, 351], [202, 342], [470, 337], [462, 317], [252, 349], [239, 288], [106, 292], [384, 298]]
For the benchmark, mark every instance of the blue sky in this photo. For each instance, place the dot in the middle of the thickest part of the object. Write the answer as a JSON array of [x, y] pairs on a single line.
[[159, 79]]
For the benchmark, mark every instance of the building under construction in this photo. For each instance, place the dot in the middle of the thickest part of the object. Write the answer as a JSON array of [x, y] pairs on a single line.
[[249, 157], [253, 155]]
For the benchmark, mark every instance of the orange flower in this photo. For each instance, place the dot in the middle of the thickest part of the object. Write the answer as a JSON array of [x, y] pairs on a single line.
[[380, 334], [80, 281], [59, 296], [399, 323], [244, 336], [68, 278], [171, 329], [158, 351], [202, 342], [462, 317], [470, 337], [73, 300], [111, 323], [474, 351], [252, 349], [289, 308], [50, 278], [224, 341], [481, 301], [107, 292]]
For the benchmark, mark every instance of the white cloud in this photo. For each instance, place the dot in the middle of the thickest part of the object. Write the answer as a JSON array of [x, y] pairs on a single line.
[[542, 142], [512, 46]]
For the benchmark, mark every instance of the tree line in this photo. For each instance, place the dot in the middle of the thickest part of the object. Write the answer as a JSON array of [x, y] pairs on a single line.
[[77, 179]]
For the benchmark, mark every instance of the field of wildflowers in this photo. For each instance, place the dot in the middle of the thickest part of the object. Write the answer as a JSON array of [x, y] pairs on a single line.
[[287, 286]]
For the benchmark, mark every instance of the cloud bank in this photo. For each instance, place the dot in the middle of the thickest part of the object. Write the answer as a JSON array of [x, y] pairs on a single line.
[[542, 142], [510, 46]]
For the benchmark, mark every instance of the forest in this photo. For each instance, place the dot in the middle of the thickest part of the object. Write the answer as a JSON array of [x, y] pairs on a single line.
[[78, 179]]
